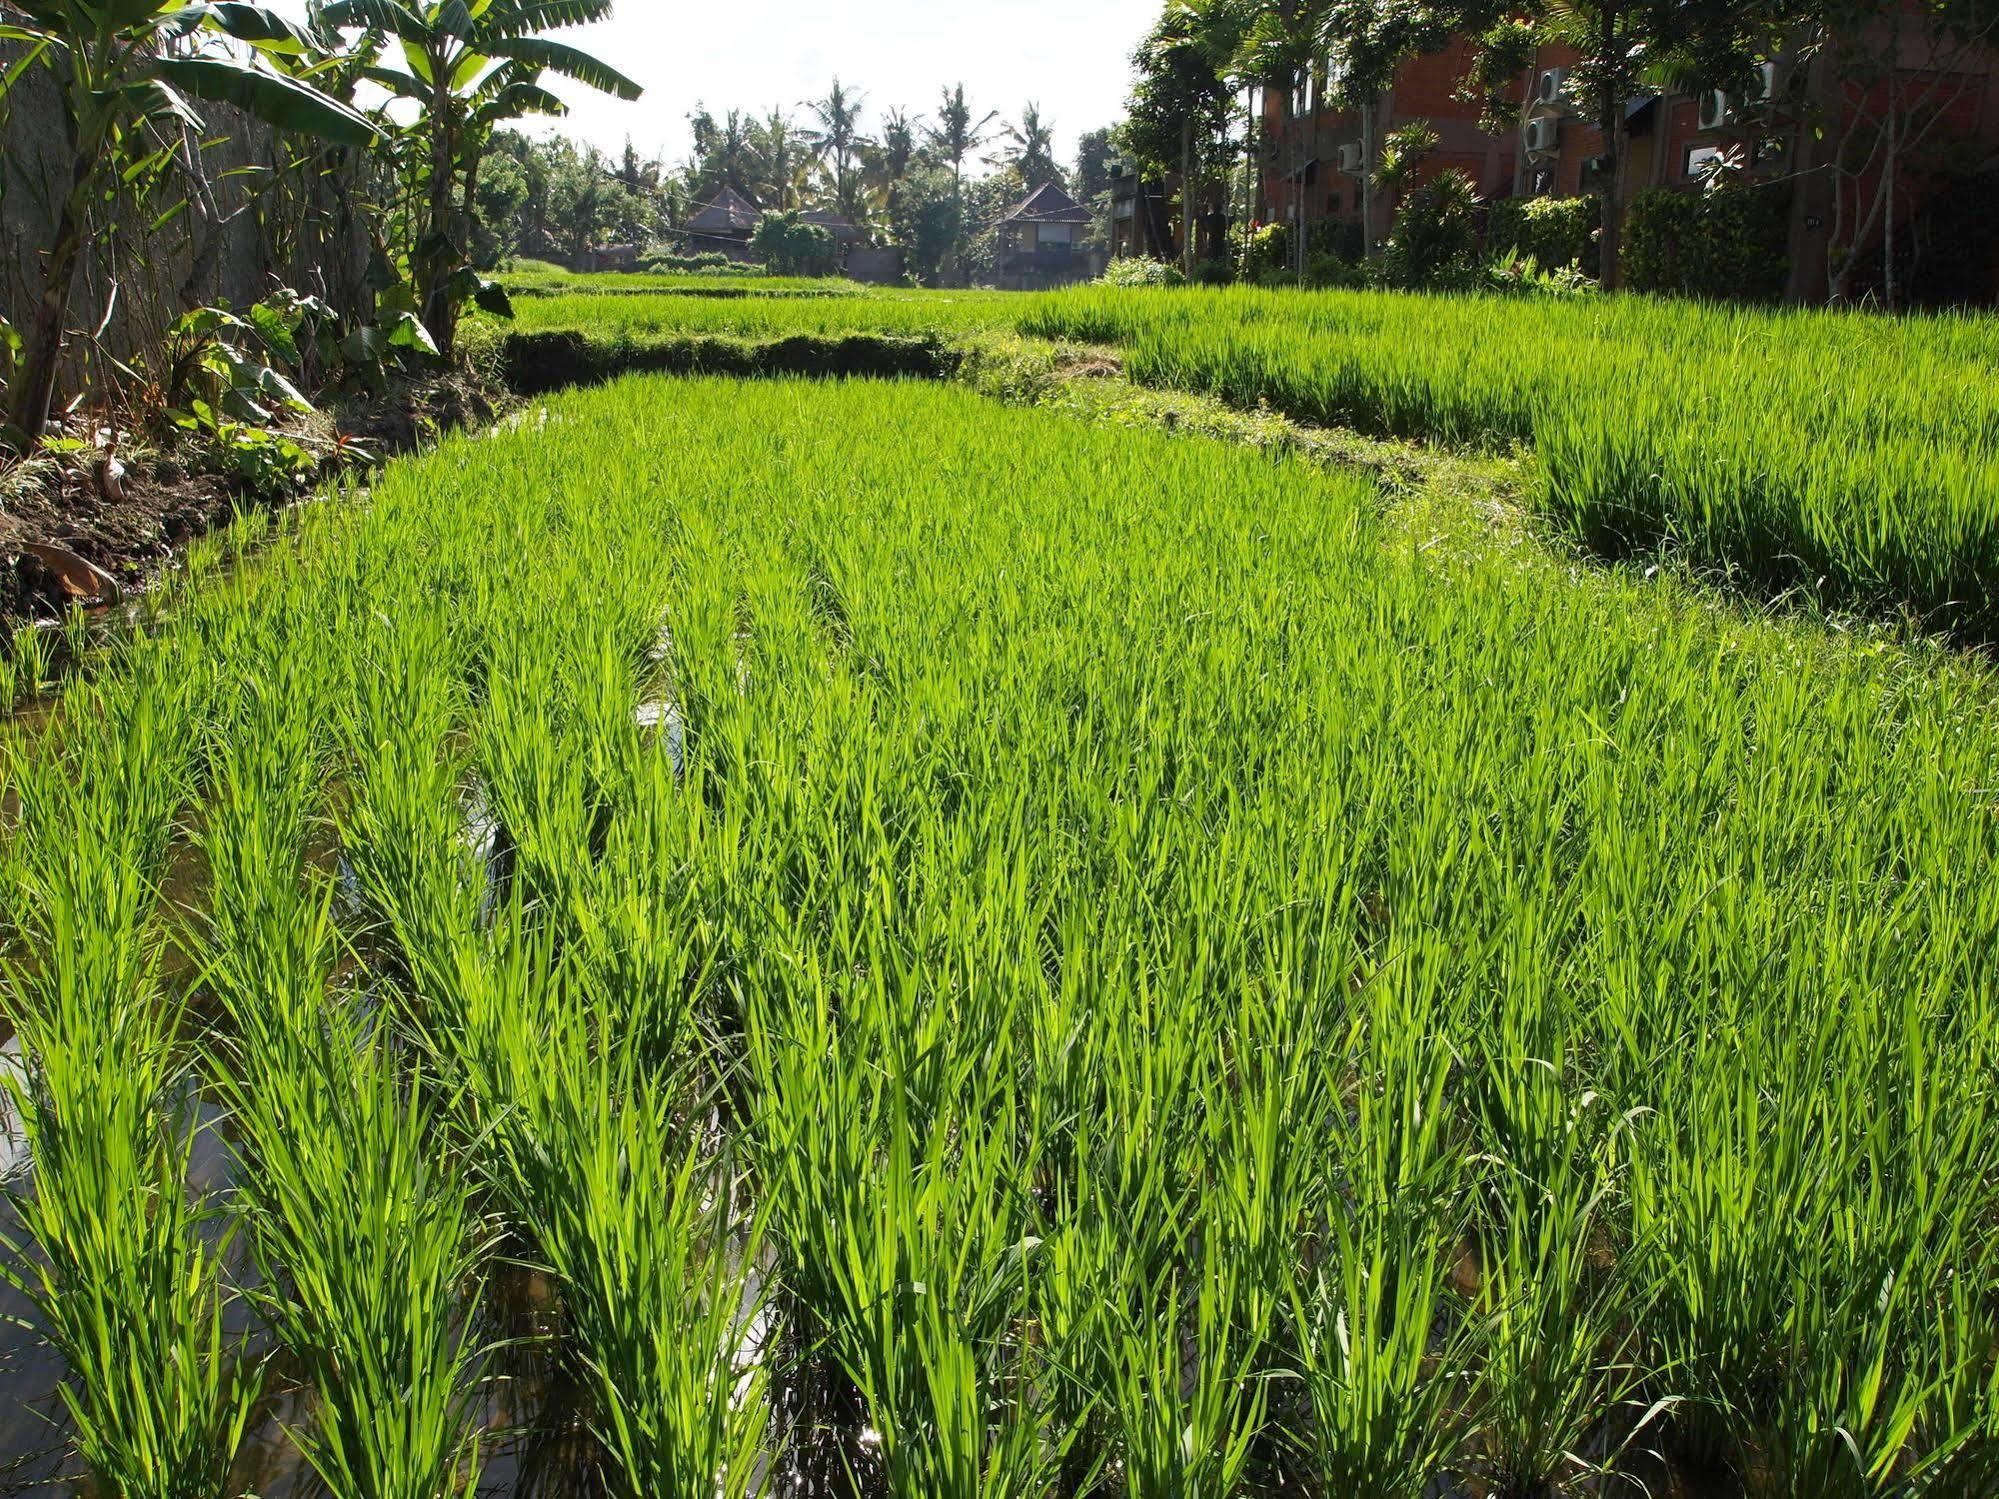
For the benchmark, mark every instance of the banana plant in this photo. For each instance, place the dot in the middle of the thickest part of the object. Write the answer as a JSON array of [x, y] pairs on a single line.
[[469, 66], [129, 73]]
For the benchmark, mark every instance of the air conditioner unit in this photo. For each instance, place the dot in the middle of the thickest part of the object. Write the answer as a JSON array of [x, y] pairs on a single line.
[[1543, 135], [1350, 158], [1714, 109], [1553, 91], [1766, 84]]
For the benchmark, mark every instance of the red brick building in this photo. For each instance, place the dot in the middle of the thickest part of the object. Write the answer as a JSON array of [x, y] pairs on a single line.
[[1785, 134]]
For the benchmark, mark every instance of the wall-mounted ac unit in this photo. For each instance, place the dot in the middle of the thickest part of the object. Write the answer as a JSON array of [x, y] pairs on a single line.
[[1714, 109], [1350, 158], [1766, 84], [1543, 134], [1554, 88]]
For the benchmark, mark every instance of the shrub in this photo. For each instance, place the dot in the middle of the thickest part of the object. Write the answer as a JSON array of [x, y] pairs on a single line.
[[1435, 242], [1270, 249], [713, 263], [1142, 271], [1725, 244], [791, 247], [1553, 232]]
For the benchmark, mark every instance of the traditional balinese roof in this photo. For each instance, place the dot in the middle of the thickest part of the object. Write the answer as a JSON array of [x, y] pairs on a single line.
[[727, 213], [1047, 204], [833, 224]]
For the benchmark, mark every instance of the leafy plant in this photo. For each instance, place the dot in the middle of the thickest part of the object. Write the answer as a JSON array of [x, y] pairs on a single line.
[[468, 69], [128, 73]]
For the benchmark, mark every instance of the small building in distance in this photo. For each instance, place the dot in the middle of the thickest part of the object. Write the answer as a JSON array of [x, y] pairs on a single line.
[[1143, 222], [722, 226], [1042, 243]]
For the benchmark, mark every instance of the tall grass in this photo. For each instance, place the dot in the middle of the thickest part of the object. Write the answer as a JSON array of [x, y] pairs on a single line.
[[1844, 453], [1121, 977]]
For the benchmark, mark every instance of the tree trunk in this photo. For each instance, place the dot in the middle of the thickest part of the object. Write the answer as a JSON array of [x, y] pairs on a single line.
[[435, 251], [1187, 200], [1610, 222], [29, 411], [1370, 131]]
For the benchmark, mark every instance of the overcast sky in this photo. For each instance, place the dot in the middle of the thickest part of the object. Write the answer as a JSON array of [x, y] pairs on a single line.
[[1072, 57]]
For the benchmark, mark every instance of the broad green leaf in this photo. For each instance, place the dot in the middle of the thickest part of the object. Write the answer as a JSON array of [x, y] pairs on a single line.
[[276, 100]]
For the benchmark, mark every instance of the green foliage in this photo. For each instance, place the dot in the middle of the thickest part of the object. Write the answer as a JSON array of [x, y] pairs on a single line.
[[1271, 251], [1403, 150], [1555, 232], [928, 222], [714, 264], [1435, 239], [1139, 271], [878, 945], [1869, 490], [1726, 243], [126, 76], [788, 246]]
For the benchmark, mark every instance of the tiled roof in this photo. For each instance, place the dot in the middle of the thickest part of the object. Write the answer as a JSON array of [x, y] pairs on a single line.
[[1047, 204], [728, 212]]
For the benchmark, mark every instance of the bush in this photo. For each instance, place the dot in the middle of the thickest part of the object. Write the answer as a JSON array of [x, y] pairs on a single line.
[[1435, 243], [1552, 232], [1325, 271], [1141, 271], [791, 247], [1213, 273], [1337, 239], [1270, 250], [1727, 243], [713, 263]]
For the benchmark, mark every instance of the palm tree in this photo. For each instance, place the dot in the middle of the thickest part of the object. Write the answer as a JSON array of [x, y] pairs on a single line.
[[471, 68], [955, 137], [837, 140], [1030, 148], [126, 75], [895, 156], [782, 162]]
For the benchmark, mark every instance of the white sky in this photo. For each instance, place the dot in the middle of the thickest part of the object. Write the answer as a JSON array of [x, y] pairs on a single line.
[[1072, 57]]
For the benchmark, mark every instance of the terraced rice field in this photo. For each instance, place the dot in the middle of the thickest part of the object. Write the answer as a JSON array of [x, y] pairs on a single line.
[[788, 938], [1850, 459]]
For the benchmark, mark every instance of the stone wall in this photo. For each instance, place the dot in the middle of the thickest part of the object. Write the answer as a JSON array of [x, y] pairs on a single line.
[[224, 226]]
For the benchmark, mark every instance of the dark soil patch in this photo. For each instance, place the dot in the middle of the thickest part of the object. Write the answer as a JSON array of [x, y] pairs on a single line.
[[534, 364], [135, 531]]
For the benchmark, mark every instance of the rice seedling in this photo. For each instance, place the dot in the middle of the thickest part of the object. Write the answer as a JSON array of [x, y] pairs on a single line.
[[358, 1219], [107, 1241], [1837, 453], [1141, 982]]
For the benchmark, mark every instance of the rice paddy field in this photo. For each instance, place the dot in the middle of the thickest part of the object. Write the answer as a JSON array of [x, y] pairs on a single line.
[[1845, 457], [799, 938]]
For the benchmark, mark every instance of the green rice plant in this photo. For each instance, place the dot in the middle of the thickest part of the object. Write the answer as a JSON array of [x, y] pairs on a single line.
[[111, 1248], [359, 1223], [976, 986], [1841, 454], [1383, 1344]]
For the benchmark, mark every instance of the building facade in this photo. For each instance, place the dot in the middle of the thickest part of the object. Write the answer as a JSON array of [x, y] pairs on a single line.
[[1783, 134], [1043, 242]]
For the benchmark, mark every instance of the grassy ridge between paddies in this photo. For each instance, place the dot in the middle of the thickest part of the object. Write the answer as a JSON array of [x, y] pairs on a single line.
[[1796, 449], [991, 957]]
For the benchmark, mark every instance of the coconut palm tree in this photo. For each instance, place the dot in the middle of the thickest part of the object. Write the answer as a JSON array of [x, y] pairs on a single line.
[[955, 137], [470, 66], [894, 157], [1030, 148], [128, 75], [837, 140]]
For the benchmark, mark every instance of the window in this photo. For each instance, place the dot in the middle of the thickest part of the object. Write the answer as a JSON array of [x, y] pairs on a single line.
[[1703, 161], [1333, 205], [1057, 234]]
